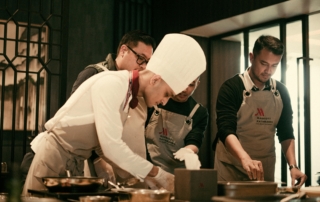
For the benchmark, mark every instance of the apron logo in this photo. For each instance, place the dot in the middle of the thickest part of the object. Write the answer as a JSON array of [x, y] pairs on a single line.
[[164, 132], [260, 112], [164, 138]]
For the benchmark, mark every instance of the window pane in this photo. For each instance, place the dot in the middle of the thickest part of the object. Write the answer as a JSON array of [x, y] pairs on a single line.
[[314, 44], [238, 38], [294, 79]]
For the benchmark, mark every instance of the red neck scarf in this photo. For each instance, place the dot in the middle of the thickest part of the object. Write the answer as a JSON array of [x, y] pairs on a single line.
[[134, 89]]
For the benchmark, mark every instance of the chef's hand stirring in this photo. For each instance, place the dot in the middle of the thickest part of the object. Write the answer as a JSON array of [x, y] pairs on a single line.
[[104, 170]]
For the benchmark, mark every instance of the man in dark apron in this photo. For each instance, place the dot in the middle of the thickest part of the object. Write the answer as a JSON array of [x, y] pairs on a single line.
[[251, 108], [176, 129]]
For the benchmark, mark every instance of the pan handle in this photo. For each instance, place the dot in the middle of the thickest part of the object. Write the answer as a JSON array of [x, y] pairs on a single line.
[[68, 173]]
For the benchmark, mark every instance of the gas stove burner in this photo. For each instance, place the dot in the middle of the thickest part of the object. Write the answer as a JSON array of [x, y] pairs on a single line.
[[65, 196]]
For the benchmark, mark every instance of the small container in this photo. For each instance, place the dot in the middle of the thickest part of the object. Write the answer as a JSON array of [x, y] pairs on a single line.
[[4, 168]]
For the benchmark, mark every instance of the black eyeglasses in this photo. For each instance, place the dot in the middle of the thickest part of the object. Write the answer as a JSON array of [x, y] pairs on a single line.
[[140, 59]]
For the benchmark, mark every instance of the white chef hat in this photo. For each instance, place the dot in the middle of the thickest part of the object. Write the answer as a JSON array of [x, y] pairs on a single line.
[[179, 60]]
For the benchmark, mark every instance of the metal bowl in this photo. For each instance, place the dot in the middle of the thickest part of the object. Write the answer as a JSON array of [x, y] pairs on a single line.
[[73, 184], [145, 195], [95, 199]]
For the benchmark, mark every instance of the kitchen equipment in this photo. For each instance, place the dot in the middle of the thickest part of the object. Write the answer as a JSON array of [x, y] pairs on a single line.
[[145, 195], [39, 199], [288, 190], [246, 188], [73, 184], [67, 196], [313, 191], [195, 185], [269, 198], [4, 167], [3, 197], [128, 182], [95, 199], [114, 185]]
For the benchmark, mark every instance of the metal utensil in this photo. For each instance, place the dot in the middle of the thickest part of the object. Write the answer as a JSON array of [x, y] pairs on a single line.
[[68, 173], [114, 185], [128, 182]]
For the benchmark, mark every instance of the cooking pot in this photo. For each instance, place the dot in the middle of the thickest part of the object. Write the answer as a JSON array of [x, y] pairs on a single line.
[[144, 195], [73, 184], [246, 188]]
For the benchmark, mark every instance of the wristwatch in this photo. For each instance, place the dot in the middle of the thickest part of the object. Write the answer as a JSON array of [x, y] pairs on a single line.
[[293, 166]]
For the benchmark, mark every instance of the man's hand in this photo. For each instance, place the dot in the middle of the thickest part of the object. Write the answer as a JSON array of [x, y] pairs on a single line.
[[162, 180], [254, 169], [297, 175]]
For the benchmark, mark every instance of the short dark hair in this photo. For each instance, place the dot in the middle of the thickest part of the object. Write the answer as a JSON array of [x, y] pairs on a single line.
[[133, 37], [271, 43]]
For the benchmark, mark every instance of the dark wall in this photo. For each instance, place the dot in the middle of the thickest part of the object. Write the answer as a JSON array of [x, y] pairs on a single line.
[[90, 35], [179, 15]]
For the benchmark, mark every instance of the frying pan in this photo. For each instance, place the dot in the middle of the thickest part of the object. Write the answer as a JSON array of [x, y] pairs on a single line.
[[74, 184], [246, 188]]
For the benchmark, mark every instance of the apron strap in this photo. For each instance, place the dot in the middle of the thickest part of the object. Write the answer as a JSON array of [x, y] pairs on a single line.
[[157, 110], [247, 85], [195, 108], [100, 67], [248, 89]]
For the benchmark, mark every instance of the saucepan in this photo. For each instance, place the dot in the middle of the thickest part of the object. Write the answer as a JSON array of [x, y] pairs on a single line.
[[74, 184], [246, 188]]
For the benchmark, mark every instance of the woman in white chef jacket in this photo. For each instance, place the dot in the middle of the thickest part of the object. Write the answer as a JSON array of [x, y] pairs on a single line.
[[102, 113], [250, 107]]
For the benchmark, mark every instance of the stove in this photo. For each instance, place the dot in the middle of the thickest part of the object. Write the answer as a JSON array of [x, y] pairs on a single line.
[[66, 196]]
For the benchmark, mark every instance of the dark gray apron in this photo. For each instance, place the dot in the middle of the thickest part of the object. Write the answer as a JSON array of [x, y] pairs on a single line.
[[258, 117], [165, 135]]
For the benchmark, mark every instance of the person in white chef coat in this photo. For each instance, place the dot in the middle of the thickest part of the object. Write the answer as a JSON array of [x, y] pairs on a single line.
[[251, 108], [93, 117], [134, 52]]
